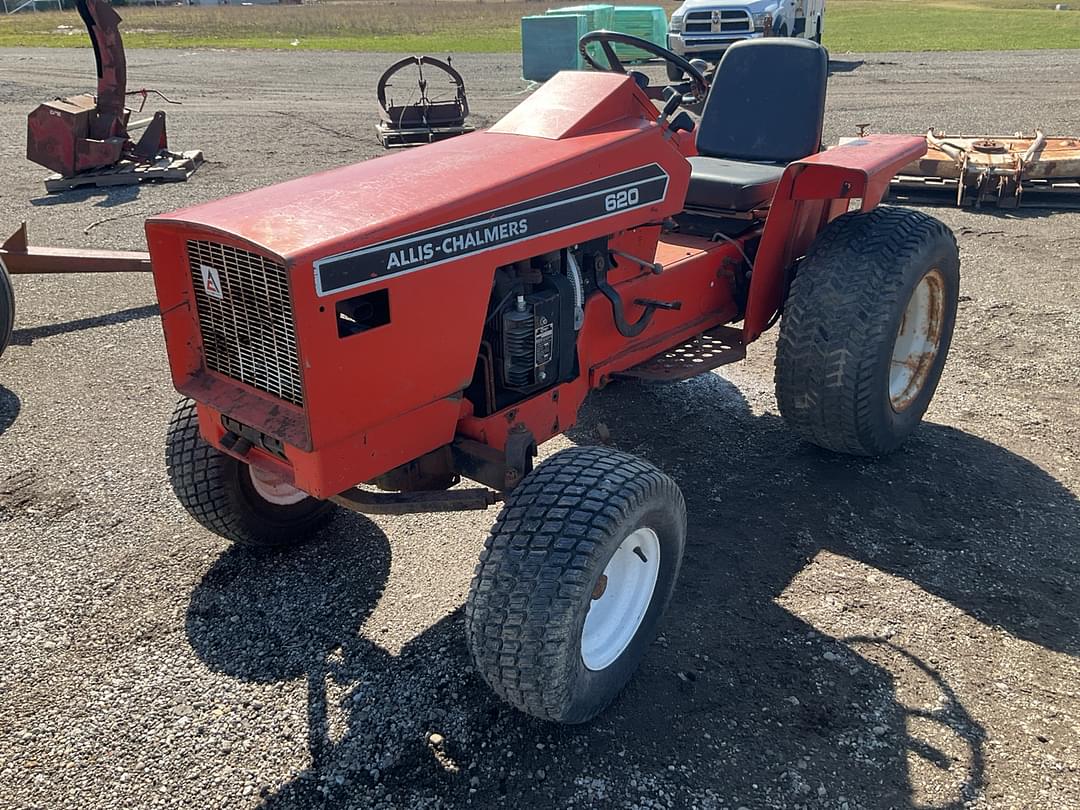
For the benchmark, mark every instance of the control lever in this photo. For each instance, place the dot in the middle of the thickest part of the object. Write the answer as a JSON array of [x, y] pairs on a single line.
[[674, 99], [652, 302], [682, 121]]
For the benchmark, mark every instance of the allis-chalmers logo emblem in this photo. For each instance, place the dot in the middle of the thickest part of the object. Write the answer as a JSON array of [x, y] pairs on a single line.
[[211, 281]]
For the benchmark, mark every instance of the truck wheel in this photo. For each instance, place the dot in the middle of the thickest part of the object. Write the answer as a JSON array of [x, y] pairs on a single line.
[[674, 74], [574, 577], [866, 329], [233, 499], [7, 308], [782, 31]]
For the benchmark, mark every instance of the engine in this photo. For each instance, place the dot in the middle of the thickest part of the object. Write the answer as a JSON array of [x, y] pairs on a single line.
[[530, 335]]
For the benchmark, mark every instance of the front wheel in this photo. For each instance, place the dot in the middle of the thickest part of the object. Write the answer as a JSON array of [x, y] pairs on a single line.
[[7, 308], [866, 330], [235, 500], [574, 577]]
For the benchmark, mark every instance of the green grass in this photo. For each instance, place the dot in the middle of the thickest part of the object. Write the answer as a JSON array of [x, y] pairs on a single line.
[[461, 26], [949, 25]]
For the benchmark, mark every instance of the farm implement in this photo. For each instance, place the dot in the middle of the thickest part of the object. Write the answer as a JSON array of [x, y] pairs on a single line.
[[17, 257], [1004, 172], [87, 139], [401, 335], [433, 109]]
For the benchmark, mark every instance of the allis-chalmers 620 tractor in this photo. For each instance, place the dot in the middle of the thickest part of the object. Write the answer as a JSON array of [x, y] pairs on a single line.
[[370, 336]]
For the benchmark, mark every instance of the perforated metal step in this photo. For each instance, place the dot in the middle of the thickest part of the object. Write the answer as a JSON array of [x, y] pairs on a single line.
[[707, 351]]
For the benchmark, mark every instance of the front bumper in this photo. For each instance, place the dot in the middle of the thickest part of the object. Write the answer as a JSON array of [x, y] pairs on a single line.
[[706, 46]]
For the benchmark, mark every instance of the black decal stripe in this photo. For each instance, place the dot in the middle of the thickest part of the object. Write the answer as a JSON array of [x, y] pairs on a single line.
[[491, 230]]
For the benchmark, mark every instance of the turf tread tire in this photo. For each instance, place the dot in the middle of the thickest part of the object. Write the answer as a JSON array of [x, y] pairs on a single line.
[[209, 486], [841, 315], [533, 584], [7, 309]]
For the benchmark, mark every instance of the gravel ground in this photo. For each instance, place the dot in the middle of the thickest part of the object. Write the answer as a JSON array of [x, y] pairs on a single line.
[[845, 634]]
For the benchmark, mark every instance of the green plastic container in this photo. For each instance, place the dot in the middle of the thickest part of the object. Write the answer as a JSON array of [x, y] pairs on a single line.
[[549, 43], [597, 17], [648, 22]]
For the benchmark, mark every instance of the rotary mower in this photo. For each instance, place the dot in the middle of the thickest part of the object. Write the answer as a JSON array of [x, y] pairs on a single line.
[[372, 336]]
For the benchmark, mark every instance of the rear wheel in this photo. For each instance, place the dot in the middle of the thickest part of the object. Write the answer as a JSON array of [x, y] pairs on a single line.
[[674, 73], [782, 31], [573, 580], [239, 502], [7, 308], [866, 330]]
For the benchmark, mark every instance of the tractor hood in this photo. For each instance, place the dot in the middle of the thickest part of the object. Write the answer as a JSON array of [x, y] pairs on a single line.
[[576, 116], [380, 273]]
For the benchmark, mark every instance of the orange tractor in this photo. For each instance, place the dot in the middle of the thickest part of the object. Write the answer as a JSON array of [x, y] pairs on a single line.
[[371, 336]]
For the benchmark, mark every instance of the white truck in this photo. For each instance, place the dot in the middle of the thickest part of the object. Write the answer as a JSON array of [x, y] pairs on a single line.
[[703, 29]]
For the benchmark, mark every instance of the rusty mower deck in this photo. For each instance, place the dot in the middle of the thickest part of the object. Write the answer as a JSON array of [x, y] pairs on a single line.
[[1005, 172]]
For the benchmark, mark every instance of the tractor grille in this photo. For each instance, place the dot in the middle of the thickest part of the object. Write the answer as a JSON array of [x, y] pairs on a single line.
[[247, 326], [731, 21]]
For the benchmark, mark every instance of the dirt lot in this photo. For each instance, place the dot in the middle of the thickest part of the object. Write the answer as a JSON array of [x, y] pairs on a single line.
[[846, 634]]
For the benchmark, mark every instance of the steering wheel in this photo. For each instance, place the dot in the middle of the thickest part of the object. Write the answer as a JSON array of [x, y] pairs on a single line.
[[698, 83]]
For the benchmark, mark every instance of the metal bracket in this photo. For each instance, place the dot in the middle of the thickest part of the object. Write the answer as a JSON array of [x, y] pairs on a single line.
[[410, 503], [501, 471]]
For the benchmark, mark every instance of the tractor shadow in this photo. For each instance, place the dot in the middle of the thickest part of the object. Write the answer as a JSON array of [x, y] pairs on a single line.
[[25, 337], [962, 518], [740, 701], [10, 405]]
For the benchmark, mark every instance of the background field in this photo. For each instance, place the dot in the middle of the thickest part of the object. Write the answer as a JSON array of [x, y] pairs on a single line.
[[492, 27], [847, 634]]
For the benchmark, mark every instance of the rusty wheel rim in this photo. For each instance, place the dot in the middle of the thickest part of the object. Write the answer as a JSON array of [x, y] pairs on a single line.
[[918, 341]]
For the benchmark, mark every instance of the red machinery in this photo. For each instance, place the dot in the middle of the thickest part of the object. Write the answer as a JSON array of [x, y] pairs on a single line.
[[17, 257], [86, 139], [405, 323]]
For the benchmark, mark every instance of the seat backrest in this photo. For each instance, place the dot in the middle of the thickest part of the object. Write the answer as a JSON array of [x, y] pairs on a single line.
[[767, 102]]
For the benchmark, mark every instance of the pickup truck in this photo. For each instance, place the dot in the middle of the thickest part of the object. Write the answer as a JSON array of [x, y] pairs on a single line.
[[703, 29]]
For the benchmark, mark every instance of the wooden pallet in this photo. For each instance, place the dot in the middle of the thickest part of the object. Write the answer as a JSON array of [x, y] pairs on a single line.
[[169, 167]]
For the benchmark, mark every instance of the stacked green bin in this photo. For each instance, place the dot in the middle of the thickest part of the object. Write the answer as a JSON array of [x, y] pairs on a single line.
[[647, 22], [549, 43], [597, 17]]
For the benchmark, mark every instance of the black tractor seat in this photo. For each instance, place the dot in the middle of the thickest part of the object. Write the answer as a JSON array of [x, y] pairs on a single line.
[[732, 184], [766, 109]]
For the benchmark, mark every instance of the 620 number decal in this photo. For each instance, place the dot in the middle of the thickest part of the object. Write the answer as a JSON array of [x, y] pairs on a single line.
[[621, 199]]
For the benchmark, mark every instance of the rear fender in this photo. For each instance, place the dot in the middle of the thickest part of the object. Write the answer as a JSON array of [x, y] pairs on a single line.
[[813, 192]]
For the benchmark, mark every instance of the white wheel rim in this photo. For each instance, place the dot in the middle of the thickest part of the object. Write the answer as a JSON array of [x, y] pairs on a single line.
[[274, 489], [621, 598], [918, 341]]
